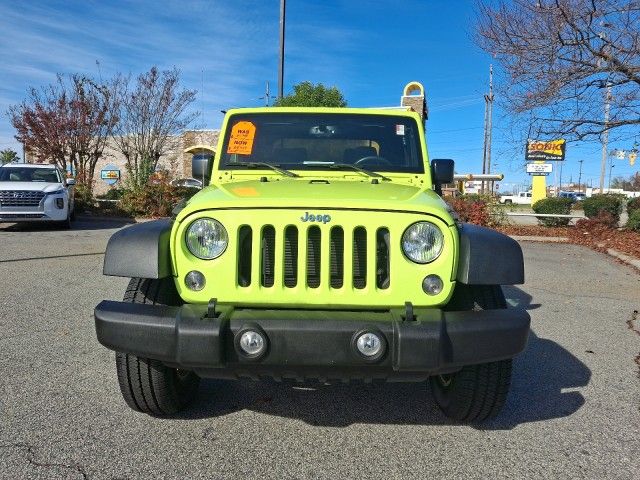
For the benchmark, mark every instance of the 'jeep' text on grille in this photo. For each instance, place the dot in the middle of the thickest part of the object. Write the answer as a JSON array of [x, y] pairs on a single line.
[[310, 217]]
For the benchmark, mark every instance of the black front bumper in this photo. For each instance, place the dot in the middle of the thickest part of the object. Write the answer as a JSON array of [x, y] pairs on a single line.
[[312, 344]]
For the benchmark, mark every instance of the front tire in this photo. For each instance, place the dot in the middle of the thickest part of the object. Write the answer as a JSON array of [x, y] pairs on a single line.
[[477, 392], [148, 385]]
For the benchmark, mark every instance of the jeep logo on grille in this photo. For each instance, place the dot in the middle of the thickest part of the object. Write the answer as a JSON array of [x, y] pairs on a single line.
[[310, 217]]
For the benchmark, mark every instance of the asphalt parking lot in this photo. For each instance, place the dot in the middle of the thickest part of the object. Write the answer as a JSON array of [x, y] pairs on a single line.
[[573, 411]]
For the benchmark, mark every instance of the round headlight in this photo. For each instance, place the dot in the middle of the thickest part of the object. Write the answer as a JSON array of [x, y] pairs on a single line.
[[422, 242], [206, 238]]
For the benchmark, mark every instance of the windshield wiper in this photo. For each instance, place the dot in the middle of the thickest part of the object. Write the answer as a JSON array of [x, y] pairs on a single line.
[[348, 166], [275, 168]]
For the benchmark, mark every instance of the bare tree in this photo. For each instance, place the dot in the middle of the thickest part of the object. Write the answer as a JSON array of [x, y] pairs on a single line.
[[152, 112], [41, 123], [93, 116], [67, 123], [631, 184], [562, 60]]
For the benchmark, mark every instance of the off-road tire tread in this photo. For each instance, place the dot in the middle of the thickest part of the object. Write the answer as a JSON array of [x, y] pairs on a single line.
[[148, 385], [477, 392]]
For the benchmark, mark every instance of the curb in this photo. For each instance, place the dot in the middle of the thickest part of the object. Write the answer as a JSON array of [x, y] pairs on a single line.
[[634, 262], [106, 218], [534, 238], [631, 261]]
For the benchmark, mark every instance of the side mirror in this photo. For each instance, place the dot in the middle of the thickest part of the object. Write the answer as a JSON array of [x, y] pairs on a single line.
[[201, 168], [70, 181], [442, 171]]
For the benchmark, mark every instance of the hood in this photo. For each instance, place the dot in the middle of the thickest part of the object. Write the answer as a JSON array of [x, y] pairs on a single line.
[[31, 186], [324, 193]]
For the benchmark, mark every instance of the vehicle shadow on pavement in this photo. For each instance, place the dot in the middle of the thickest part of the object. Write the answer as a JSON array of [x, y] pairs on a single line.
[[82, 223], [541, 376]]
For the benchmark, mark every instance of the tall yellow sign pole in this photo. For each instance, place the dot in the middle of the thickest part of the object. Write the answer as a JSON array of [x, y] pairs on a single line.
[[538, 186], [538, 152]]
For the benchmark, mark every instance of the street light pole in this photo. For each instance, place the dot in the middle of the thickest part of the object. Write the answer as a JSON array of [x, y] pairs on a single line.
[[610, 171], [605, 136], [283, 7]]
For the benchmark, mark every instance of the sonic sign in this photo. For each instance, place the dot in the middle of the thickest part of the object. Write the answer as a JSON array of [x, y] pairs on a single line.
[[538, 150]]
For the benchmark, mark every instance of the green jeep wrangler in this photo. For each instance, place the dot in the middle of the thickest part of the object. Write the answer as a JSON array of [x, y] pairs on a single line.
[[319, 249]]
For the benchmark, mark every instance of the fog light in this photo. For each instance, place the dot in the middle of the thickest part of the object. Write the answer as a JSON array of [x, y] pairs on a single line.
[[60, 203], [369, 344], [432, 285], [252, 343], [195, 280]]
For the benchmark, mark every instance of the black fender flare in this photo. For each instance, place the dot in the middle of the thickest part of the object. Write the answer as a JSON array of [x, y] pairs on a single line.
[[488, 257], [140, 250]]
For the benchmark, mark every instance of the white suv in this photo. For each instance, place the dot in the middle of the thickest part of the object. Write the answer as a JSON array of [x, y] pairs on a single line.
[[35, 193]]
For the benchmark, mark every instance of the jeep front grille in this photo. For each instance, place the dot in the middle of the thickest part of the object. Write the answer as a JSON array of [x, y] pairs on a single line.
[[20, 198], [303, 256]]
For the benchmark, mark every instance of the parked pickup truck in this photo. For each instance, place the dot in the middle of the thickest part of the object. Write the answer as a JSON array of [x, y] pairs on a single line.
[[319, 250], [522, 198]]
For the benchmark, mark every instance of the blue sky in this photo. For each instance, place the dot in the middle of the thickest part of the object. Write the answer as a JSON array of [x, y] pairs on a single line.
[[368, 48]]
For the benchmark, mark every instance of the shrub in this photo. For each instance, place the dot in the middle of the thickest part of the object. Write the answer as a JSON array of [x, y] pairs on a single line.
[[553, 205], [602, 221], [633, 205], [471, 209], [112, 194], [157, 199], [634, 220], [83, 198], [579, 205], [603, 203]]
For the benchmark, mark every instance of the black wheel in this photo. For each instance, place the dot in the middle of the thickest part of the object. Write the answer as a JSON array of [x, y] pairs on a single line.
[[148, 385], [477, 392]]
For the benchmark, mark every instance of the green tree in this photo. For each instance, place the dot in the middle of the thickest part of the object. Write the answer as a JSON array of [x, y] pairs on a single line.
[[8, 156], [306, 94]]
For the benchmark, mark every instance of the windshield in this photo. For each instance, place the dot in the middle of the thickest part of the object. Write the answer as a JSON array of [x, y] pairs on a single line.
[[304, 141], [24, 174]]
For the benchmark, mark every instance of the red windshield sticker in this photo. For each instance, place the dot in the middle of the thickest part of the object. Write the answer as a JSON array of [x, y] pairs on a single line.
[[241, 139]]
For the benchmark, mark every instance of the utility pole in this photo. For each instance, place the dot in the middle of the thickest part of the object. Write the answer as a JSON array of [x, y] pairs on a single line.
[[580, 176], [283, 7], [605, 136], [488, 111], [560, 189]]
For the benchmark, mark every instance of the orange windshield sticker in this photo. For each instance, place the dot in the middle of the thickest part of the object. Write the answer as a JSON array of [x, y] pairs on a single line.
[[241, 139]]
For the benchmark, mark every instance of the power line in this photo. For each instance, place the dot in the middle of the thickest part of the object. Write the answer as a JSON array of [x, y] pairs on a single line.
[[455, 130]]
